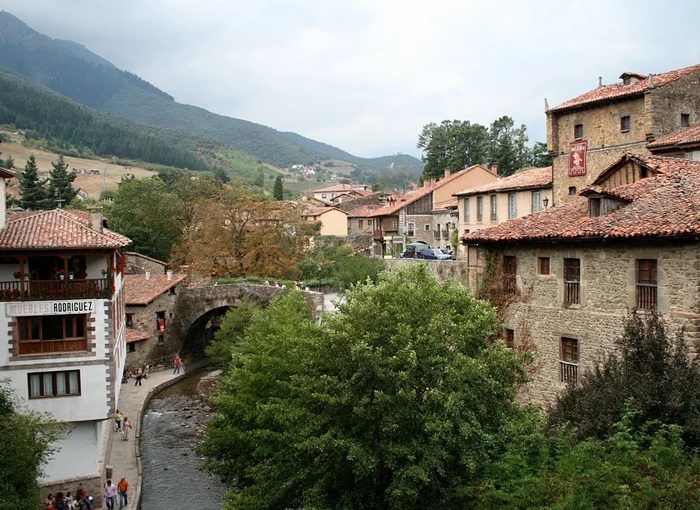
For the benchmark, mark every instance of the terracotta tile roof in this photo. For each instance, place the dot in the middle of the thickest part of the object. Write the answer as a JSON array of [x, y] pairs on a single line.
[[619, 90], [7, 174], [140, 291], [666, 204], [688, 136], [524, 179], [338, 187], [363, 211], [134, 335], [447, 205], [56, 228], [318, 211]]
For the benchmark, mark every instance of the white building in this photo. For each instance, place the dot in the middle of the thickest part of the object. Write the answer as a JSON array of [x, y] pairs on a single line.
[[62, 304]]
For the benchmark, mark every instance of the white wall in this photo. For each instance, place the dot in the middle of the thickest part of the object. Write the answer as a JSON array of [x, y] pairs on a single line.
[[77, 454]]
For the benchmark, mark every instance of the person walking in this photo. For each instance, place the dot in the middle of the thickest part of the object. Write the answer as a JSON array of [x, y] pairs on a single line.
[[177, 363], [139, 375], [117, 421], [122, 487], [126, 428], [110, 494]]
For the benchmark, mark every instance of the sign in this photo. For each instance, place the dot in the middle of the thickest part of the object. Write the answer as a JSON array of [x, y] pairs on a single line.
[[65, 307], [577, 157]]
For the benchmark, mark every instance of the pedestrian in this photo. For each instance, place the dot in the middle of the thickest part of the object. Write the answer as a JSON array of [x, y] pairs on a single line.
[[117, 421], [146, 371], [139, 375], [177, 363], [126, 428], [110, 494], [83, 498], [70, 502], [60, 503], [122, 487]]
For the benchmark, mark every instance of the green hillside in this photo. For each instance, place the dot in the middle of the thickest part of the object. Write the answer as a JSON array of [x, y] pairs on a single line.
[[73, 71]]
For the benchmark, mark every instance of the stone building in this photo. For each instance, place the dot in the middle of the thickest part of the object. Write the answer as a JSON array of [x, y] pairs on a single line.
[[589, 132], [150, 300], [565, 278], [328, 193], [685, 144], [525, 192]]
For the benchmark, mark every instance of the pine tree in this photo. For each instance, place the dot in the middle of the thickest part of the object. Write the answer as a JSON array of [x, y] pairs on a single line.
[[277, 190], [32, 190], [60, 190]]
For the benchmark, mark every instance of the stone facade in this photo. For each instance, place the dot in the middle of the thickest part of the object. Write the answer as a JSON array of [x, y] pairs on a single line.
[[653, 113], [137, 263], [440, 269], [145, 318], [540, 318]]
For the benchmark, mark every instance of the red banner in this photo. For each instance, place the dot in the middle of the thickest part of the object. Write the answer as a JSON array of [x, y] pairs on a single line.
[[577, 157]]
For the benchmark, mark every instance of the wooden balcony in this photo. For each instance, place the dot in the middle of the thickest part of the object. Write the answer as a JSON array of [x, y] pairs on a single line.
[[568, 372], [646, 296], [572, 293], [43, 290]]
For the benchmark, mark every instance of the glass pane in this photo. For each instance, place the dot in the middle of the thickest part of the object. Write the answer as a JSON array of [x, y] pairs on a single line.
[[61, 383], [48, 383], [74, 382], [80, 326], [23, 328], [34, 385], [52, 328], [36, 328]]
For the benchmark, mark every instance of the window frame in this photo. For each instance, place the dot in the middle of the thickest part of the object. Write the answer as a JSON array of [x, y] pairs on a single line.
[[467, 216], [685, 120], [479, 208], [27, 343], [536, 201], [509, 338], [493, 206], [512, 205], [572, 281], [625, 123], [646, 284], [543, 266], [411, 228], [43, 393], [568, 368], [578, 131]]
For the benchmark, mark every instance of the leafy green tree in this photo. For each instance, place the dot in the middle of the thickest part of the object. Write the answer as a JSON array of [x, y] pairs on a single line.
[[508, 146], [277, 189], [341, 264], [231, 330], [540, 155], [260, 178], [397, 401], [32, 190], [8, 163], [649, 368], [453, 145], [60, 188], [146, 212], [221, 176], [25, 442]]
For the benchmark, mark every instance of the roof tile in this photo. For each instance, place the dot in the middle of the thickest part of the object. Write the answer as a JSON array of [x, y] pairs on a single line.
[[138, 290], [523, 179]]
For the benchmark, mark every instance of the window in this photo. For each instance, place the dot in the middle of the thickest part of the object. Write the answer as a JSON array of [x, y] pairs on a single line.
[[479, 208], [494, 210], [572, 190], [129, 320], [323, 195], [625, 123], [536, 201], [359, 223], [54, 384], [411, 229], [646, 284], [436, 234], [52, 333], [572, 281], [512, 213], [466, 210], [131, 347], [510, 338], [568, 361], [171, 290], [427, 227], [161, 339], [578, 131], [685, 119], [510, 270], [542, 265]]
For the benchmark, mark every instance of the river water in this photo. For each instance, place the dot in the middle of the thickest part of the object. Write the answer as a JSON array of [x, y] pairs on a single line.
[[171, 428]]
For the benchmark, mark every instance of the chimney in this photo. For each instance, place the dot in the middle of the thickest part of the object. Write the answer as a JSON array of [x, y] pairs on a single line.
[[148, 274], [494, 169], [447, 173], [433, 181], [169, 274], [96, 218], [600, 81]]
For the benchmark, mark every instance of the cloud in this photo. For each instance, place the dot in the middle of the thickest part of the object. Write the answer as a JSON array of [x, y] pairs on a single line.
[[366, 75]]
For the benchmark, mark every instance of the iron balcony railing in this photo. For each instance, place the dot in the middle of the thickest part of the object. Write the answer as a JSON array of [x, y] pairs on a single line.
[[42, 290]]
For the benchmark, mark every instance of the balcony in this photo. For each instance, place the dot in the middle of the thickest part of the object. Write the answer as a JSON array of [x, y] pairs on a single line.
[[568, 372], [572, 293], [646, 296], [43, 290]]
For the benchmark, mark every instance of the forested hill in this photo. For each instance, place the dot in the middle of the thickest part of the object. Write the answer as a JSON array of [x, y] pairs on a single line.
[[68, 126], [73, 71]]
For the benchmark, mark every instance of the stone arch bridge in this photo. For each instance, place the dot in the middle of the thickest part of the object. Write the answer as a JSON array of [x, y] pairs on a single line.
[[198, 310]]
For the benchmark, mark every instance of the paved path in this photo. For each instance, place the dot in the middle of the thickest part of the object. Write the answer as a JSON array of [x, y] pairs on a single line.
[[125, 455]]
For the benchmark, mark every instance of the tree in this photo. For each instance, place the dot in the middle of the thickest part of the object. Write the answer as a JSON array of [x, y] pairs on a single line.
[[230, 332], [452, 145], [32, 190], [221, 176], [60, 190], [277, 190], [540, 155], [507, 147], [648, 368], [148, 214], [237, 234], [25, 442], [397, 401]]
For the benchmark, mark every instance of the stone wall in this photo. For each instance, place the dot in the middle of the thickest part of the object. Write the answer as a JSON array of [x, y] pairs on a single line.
[[440, 269], [540, 318], [92, 485], [420, 234], [136, 263]]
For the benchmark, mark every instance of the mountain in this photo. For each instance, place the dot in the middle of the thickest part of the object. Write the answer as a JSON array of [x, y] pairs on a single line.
[[73, 71]]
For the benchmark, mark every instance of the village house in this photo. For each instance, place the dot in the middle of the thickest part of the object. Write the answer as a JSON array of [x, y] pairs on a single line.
[[525, 192], [151, 291], [333, 221], [685, 144], [589, 132], [410, 217], [565, 278], [329, 193], [61, 280]]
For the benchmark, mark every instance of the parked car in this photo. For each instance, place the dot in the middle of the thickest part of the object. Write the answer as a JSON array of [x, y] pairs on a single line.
[[413, 249], [434, 254]]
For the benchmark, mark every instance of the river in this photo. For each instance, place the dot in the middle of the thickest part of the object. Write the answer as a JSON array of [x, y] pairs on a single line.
[[172, 425]]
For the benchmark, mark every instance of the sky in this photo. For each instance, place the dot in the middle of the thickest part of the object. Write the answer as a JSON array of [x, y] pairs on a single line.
[[367, 75]]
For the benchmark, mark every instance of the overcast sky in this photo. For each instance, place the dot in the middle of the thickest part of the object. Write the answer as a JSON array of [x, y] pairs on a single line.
[[366, 75]]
